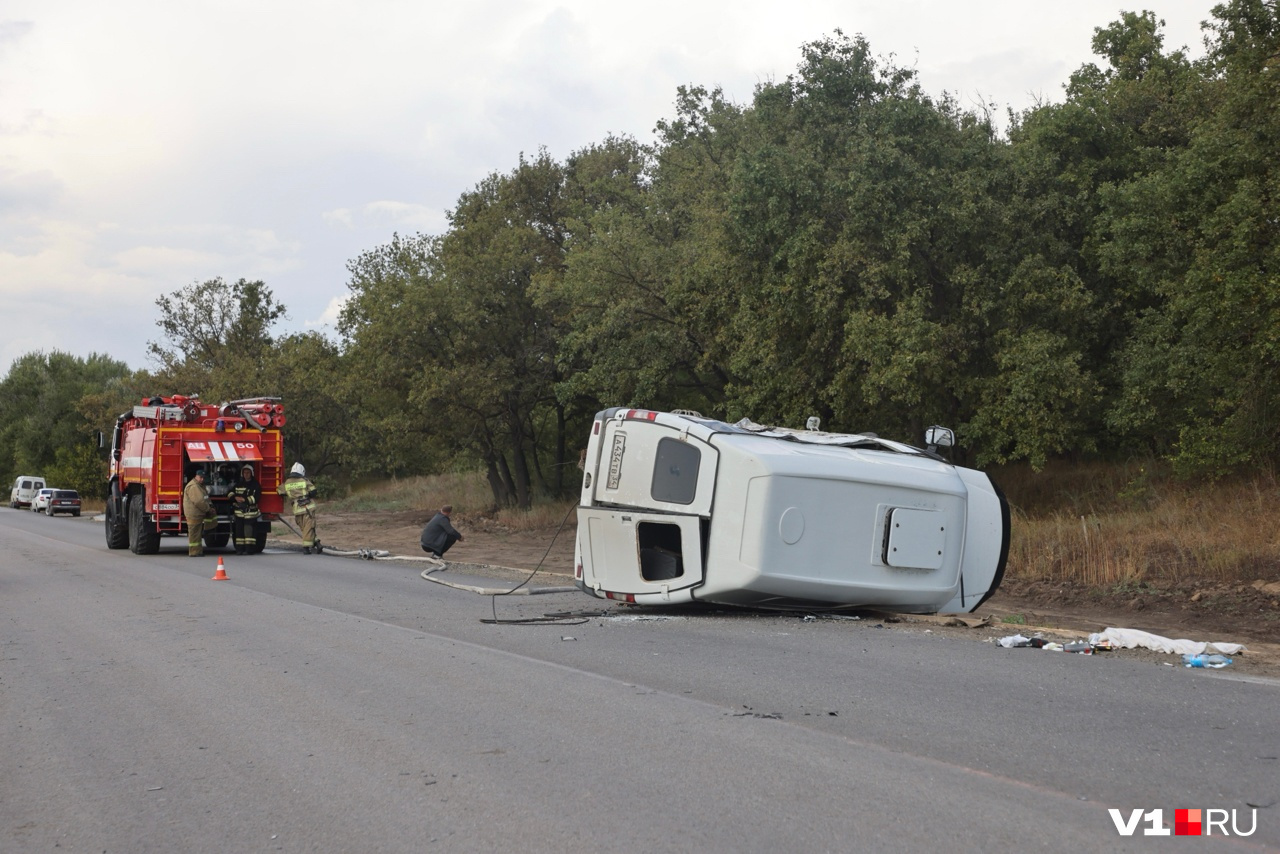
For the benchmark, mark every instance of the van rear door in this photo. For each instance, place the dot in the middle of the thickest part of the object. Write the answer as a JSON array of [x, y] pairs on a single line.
[[636, 553], [649, 465], [641, 527]]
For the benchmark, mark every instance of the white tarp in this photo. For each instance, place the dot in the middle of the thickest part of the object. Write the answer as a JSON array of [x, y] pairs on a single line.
[[1133, 638]]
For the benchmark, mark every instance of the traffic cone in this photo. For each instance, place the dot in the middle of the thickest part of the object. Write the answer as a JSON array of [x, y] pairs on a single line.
[[221, 574]]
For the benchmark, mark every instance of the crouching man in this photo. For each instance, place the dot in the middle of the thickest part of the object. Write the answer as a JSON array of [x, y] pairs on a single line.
[[440, 534]]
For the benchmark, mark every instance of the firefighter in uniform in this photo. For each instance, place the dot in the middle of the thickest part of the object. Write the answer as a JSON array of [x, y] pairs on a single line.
[[245, 496], [302, 493], [199, 511]]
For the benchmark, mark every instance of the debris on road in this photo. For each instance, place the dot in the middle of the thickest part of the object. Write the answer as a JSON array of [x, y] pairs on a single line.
[[1132, 638]]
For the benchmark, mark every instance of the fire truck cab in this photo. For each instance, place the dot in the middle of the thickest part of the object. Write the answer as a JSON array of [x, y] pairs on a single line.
[[157, 447]]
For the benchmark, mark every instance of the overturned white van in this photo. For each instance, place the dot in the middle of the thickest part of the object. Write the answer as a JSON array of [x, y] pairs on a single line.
[[680, 508]]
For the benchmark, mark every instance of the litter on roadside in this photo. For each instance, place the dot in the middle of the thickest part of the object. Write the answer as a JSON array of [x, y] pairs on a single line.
[[1018, 642]]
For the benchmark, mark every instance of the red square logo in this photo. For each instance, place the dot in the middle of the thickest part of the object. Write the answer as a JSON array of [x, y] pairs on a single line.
[[1186, 822]]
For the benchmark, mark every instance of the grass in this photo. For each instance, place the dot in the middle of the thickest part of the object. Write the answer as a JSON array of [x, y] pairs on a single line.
[[469, 494], [1115, 527]]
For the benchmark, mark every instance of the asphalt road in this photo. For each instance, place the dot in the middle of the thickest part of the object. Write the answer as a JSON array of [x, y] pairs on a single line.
[[332, 704]]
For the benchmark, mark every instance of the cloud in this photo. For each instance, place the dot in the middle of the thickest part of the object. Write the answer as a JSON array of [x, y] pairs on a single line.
[[385, 214], [329, 317]]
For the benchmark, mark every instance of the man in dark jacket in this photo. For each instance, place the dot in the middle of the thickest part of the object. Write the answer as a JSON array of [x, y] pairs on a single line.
[[440, 534]]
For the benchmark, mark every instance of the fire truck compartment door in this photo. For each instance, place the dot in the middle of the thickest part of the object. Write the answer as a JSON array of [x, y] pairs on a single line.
[[629, 552], [221, 452]]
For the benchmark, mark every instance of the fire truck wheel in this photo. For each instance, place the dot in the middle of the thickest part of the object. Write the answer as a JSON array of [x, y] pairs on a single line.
[[117, 528], [216, 540], [144, 539]]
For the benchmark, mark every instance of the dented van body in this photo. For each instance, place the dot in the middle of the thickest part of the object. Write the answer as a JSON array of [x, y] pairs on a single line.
[[679, 508]]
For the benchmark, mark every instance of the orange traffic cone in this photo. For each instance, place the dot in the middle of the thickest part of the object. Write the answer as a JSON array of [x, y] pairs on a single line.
[[221, 574]]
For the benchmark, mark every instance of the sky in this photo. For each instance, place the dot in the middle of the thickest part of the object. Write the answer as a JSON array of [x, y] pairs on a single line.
[[147, 145]]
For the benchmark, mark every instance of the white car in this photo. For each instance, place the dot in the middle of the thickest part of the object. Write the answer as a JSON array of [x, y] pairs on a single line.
[[40, 503]]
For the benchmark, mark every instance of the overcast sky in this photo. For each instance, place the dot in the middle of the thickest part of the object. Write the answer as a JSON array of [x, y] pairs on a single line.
[[145, 146]]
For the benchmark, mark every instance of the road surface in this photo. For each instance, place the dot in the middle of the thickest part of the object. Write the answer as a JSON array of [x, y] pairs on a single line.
[[332, 704]]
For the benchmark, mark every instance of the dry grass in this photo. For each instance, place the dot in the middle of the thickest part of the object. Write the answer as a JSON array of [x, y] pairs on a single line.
[[1101, 525], [1108, 526], [469, 494]]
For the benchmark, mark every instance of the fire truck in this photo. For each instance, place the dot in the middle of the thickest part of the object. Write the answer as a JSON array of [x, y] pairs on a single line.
[[159, 445]]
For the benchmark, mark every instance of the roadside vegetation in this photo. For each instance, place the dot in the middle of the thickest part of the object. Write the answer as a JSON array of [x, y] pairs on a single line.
[[1089, 296], [1117, 527]]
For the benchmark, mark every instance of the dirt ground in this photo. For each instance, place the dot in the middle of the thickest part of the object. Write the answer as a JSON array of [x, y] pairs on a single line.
[[1242, 613]]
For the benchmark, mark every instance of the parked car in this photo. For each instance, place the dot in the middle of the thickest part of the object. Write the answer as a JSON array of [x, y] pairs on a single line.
[[24, 489], [40, 501], [64, 501]]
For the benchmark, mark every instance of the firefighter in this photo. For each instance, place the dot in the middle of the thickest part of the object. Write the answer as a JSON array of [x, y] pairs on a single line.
[[440, 534], [245, 496], [199, 511], [302, 493]]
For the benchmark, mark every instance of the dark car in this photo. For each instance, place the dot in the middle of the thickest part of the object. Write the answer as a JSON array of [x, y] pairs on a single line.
[[64, 501]]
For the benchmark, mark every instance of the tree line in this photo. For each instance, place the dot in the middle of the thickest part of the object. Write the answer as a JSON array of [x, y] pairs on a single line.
[[1099, 280]]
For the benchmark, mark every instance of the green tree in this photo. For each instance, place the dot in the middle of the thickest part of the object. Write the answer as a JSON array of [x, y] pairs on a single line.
[[217, 338], [863, 210], [505, 234], [394, 332], [308, 373], [629, 318], [1199, 234], [39, 415], [80, 467]]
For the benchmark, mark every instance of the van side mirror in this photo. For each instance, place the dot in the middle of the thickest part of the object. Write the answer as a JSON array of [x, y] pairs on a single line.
[[939, 437]]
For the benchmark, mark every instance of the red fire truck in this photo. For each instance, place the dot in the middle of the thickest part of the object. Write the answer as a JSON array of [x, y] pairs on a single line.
[[158, 446]]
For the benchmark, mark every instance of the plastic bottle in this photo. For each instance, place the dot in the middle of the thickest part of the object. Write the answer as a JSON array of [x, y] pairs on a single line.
[[1214, 661]]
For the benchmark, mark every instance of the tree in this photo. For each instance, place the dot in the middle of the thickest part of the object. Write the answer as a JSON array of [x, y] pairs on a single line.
[[1200, 236], [308, 373], [394, 332], [216, 338], [38, 408], [505, 234], [630, 323], [80, 467]]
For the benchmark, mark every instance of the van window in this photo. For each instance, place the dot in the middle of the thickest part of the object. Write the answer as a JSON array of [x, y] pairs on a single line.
[[675, 472], [661, 557], [26, 484]]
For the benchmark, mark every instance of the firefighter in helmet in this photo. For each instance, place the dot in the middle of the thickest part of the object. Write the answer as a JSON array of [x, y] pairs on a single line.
[[199, 512], [245, 496], [302, 493]]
